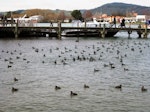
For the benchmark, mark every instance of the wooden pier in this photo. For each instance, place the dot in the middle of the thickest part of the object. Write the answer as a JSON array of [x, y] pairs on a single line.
[[16, 31]]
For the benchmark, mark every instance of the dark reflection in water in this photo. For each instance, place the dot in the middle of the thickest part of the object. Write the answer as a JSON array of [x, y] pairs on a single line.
[[41, 64]]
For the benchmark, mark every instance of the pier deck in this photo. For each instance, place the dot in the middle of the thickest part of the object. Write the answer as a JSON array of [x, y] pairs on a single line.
[[17, 32]]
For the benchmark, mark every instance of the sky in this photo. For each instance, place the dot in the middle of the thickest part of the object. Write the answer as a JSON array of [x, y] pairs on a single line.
[[12, 5]]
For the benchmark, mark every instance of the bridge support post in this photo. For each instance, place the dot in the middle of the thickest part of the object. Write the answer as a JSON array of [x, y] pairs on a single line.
[[85, 23], [12, 21], [129, 32], [16, 30], [139, 32], [103, 32], [145, 33], [59, 30]]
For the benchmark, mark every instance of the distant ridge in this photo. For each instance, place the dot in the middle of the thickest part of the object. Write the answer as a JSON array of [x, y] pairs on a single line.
[[109, 8], [16, 12], [118, 7]]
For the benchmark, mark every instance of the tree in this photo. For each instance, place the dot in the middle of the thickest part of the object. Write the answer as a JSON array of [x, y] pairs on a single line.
[[8, 14], [76, 14]]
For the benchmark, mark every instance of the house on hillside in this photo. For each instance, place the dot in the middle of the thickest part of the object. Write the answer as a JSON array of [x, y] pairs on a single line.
[[130, 19], [141, 18], [36, 18]]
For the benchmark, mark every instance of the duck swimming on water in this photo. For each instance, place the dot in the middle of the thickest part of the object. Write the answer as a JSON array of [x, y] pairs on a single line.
[[57, 87], [14, 89], [119, 86], [15, 79], [143, 89], [86, 86], [73, 94]]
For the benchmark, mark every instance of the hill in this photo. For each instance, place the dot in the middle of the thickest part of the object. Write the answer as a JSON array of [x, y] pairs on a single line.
[[122, 8], [109, 9]]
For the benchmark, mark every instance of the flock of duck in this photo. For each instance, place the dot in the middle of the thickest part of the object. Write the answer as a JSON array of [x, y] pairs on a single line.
[[143, 89], [65, 55]]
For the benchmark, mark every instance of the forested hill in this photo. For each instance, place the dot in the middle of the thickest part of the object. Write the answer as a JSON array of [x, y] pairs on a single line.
[[109, 9], [122, 8]]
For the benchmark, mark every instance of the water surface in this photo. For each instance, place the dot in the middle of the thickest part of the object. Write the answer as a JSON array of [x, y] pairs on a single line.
[[41, 64]]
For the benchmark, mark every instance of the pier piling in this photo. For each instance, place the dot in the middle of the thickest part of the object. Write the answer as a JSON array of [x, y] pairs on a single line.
[[103, 32], [139, 32], [16, 30], [145, 32], [59, 30], [129, 32]]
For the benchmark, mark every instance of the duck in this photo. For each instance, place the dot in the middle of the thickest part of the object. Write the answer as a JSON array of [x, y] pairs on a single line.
[[74, 59], [119, 86], [17, 57], [5, 59], [44, 55], [37, 50], [77, 40], [9, 66], [126, 69], [143, 89], [73, 94], [86, 86], [112, 66], [96, 70], [14, 89], [28, 61], [105, 65], [55, 62], [10, 62], [57, 87], [15, 79]]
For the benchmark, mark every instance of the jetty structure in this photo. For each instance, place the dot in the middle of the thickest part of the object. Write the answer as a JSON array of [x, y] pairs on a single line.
[[12, 29]]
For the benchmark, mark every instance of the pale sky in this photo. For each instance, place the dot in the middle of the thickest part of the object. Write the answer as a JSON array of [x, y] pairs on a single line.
[[11, 5]]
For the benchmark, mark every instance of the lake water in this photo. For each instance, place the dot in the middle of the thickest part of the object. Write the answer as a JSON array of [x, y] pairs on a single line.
[[41, 64]]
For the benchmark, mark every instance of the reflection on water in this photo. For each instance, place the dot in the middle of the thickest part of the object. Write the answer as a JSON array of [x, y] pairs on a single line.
[[41, 64]]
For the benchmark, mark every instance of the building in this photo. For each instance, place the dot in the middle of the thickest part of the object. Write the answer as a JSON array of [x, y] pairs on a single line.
[[141, 18], [130, 19], [36, 18]]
